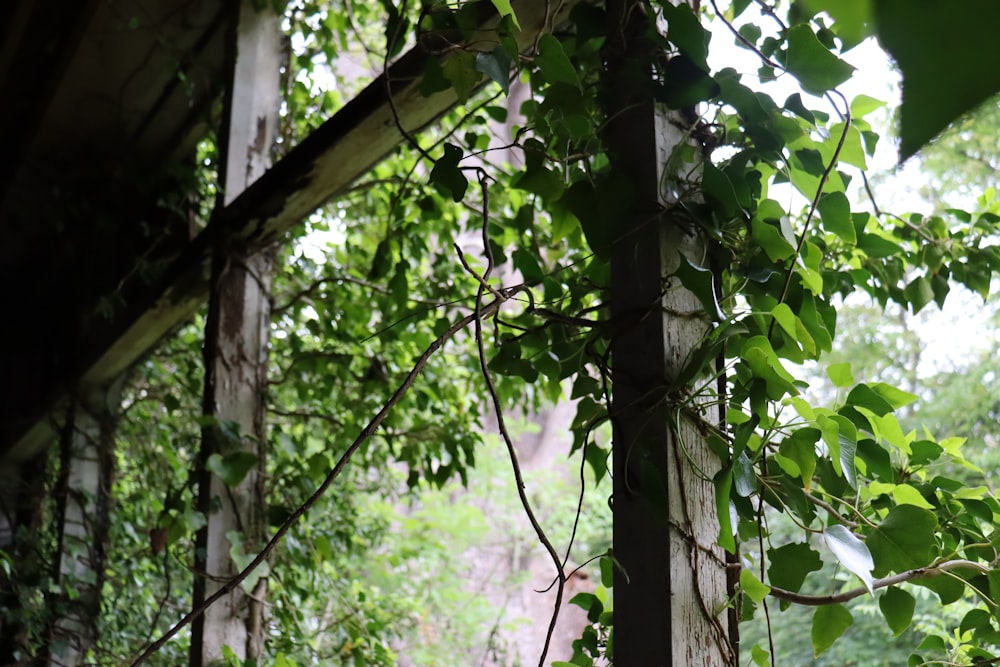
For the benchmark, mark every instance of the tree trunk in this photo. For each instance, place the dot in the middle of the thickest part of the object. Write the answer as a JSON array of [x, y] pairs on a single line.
[[670, 593], [236, 343], [83, 492]]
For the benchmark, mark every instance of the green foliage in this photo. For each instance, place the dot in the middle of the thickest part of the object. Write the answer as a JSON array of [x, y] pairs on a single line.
[[829, 623], [842, 476]]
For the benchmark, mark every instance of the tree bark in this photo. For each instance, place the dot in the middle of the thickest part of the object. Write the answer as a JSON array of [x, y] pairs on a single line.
[[670, 592], [236, 354]]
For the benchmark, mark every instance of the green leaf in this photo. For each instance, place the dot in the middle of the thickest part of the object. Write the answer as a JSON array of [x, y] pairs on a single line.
[[851, 552], [875, 246], [770, 239], [840, 374], [495, 65], [896, 397], [841, 436], [381, 262], [701, 282], [794, 327], [446, 175], [904, 540], [862, 105], [760, 657], [590, 603], [760, 357], [685, 84], [508, 361], [554, 63], [975, 619], [461, 70], [790, 564], [396, 27], [504, 9], [851, 17], [808, 269], [794, 104], [719, 190], [866, 397], [744, 476], [723, 487], [231, 468], [905, 494], [171, 402], [539, 180], [752, 586], [434, 80], [800, 448], [784, 316], [947, 588], [812, 64], [918, 293], [943, 56], [835, 212], [685, 30], [194, 520], [607, 571], [897, 607], [599, 208], [829, 623], [853, 150]]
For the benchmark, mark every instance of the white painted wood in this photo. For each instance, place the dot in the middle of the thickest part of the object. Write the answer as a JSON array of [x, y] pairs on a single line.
[[235, 388], [697, 563], [236, 352], [255, 99], [85, 481]]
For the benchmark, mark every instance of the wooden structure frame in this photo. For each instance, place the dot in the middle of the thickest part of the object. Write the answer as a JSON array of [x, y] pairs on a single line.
[[91, 352]]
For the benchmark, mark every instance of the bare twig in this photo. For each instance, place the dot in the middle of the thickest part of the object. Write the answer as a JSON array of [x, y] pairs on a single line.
[[501, 424], [743, 40]]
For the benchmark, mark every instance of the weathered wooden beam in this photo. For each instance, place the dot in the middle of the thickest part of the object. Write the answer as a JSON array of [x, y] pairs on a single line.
[[335, 155]]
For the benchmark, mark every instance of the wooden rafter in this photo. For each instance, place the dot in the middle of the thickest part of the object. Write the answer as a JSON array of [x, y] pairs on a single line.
[[320, 168]]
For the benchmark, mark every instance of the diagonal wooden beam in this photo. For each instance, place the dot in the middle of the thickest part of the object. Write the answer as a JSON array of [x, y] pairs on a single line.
[[320, 168]]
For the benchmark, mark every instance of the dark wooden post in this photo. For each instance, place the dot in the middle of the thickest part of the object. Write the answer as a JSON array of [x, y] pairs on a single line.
[[670, 595]]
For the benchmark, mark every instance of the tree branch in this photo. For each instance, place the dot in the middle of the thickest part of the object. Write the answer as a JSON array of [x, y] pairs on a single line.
[[909, 575]]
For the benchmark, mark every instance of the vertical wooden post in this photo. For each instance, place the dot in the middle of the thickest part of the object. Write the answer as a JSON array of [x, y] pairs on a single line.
[[83, 491], [236, 342], [670, 593]]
